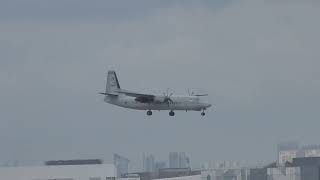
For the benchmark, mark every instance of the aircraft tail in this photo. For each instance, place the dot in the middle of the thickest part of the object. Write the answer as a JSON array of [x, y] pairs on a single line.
[[112, 83]]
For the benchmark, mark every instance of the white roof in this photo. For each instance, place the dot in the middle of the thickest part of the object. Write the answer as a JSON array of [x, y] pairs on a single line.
[[75, 172]]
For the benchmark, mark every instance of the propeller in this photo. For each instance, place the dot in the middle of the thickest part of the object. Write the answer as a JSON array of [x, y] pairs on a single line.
[[167, 97], [190, 93]]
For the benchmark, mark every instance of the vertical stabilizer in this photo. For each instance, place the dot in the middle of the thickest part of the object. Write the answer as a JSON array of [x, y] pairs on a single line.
[[112, 83]]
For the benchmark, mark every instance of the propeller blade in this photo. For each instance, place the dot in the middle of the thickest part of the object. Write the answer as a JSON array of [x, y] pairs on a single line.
[[167, 97]]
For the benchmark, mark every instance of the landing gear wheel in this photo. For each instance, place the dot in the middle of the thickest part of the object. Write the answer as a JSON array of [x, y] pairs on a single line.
[[203, 114], [149, 113], [171, 113]]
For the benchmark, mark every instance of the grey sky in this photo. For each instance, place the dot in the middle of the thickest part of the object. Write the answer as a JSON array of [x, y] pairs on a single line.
[[93, 10], [258, 60]]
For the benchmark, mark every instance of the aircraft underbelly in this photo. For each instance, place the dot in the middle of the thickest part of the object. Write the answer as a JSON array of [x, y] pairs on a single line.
[[132, 104], [162, 106]]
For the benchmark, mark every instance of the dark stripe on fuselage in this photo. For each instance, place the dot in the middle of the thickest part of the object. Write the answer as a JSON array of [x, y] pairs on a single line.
[[144, 99]]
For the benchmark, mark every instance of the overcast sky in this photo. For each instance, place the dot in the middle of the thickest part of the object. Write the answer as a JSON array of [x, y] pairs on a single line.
[[258, 60]]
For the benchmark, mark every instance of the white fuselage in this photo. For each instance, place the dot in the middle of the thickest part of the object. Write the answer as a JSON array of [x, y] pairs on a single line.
[[188, 103]]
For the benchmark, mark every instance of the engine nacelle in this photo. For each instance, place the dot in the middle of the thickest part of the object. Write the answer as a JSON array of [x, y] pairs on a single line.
[[159, 99]]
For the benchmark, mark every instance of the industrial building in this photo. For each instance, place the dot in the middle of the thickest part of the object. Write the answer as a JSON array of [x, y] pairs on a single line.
[[290, 150], [305, 168], [225, 174], [163, 174]]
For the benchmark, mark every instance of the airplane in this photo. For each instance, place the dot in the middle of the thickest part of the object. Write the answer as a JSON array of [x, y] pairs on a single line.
[[128, 99]]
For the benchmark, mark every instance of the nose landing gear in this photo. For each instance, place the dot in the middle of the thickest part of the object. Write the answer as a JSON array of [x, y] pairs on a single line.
[[203, 113], [171, 113], [149, 113]]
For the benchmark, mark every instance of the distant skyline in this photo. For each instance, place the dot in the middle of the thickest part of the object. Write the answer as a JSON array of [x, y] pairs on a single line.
[[257, 59]]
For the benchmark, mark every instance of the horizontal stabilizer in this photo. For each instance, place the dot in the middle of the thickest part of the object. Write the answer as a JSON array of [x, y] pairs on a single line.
[[133, 94]]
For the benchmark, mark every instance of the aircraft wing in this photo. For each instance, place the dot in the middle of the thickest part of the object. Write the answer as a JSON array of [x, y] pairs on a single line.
[[200, 95], [139, 97]]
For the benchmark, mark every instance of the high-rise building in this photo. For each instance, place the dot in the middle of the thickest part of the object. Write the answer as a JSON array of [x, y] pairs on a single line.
[[287, 156], [121, 163], [148, 163], [287, 151], [179, 160], [174, 160], [184, 160]]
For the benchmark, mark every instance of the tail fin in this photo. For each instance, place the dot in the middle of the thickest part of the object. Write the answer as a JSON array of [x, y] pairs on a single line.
[[112, 83]]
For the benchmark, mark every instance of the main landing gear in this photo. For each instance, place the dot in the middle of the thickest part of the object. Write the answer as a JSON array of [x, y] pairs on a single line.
[[203, 113], [171, 113], [149, 113]]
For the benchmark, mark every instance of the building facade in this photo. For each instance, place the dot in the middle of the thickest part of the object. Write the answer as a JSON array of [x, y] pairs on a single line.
[[226, 174], [288, 151], [287, 156], [311, 151], [284, 173]]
